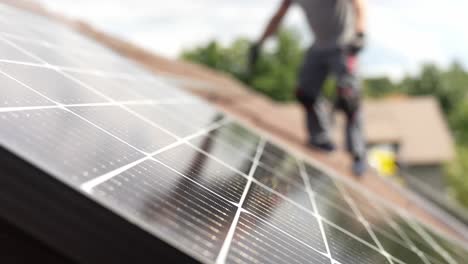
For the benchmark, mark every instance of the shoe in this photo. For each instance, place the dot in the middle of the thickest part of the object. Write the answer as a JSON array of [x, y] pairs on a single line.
[[324, 147], [359, 167]]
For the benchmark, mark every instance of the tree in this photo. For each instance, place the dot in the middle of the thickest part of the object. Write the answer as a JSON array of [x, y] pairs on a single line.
[[449, 86], [275, 74], [231, 59], [457, 176], [459, 122], [379, 87]]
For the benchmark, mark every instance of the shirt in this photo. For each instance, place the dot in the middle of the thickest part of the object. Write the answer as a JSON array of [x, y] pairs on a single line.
[[331, 21]]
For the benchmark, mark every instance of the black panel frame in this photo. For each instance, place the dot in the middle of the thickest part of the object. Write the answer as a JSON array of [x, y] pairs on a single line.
[[82, 230]]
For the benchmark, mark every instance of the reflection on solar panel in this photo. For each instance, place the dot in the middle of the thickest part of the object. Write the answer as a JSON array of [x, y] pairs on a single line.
[[106, 163]]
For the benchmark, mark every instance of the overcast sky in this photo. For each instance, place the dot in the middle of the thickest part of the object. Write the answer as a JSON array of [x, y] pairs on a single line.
[[402, 33]]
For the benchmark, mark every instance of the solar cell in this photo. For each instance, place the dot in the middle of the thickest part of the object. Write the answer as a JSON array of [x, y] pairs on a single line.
[[105, 163], [181, 209]]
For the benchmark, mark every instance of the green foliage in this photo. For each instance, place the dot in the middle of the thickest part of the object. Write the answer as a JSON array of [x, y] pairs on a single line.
[[275, 72], [459, 122], [230, 59], [447, 86], [457, 176], [379, 87]]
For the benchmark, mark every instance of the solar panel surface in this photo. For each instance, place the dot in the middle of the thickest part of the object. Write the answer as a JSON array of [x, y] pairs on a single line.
[[181, 170]]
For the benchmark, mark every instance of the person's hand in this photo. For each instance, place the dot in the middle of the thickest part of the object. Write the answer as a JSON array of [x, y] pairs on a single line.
[[357, 44]]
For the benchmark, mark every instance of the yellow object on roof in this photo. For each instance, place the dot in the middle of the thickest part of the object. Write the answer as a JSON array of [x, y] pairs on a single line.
[[384, 161]]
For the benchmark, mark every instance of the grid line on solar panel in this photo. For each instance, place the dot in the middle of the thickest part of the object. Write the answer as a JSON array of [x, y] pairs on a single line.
[[198, 166], [395, 241], [416, 242], [135, 132], [288, 189], [97, 72], [10, 53], [107, 74], [433, 243], [265, 178], [195, 182], [52, 106], [265, 244], [344, 247], [349, 234], [169, 124], [33, 58], [155, 115], [362, 220], [295, 221], [283, 196], [15, 36], [383, 203], [181, 113], [70, 78], [159, 195], [330, 183], [317, 246], [256, 181], [237, 152], [240, 162], [384, 234], [325, 188], [352, 224], [420, 247], [311, 194], [37, 27], [73, 150], [131, 89], [89, 185], [277, 171], [372, 229], [332, 199], [223, 253], [285, 169], [285, 176], [400, 252], [51, 57], [408, 241], [373, 215], [49, 84], [455, 248], [55, 57], [67, 38], [32, 64]]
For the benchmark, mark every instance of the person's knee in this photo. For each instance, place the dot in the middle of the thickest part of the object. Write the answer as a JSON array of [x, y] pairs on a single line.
[[348, 95], [348, 100], [305, 98]]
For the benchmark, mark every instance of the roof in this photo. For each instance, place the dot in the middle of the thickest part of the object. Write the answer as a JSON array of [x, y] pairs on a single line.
[[282, 123], [418, 124]]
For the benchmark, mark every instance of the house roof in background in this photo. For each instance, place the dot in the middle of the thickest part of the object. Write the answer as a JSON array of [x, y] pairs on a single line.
[[418, 123]]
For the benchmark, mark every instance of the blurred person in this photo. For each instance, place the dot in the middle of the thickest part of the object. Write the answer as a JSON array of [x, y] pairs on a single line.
[[339, 36]]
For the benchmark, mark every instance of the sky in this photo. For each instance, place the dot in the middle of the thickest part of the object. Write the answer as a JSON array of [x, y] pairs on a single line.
[[402, 34]]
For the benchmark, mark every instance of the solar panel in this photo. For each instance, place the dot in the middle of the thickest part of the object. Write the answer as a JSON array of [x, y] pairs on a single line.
[[104, 162]]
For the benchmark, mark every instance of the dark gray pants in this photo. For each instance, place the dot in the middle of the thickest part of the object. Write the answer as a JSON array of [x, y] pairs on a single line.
[[318, 65]]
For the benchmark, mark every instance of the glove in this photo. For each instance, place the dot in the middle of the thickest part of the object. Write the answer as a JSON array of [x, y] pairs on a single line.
[[254, 53], [357, 44]]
